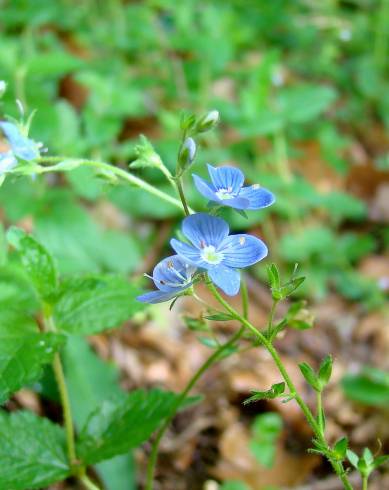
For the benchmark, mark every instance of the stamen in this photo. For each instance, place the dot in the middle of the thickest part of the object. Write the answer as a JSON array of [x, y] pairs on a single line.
[[242, 240], [256, 186], [202, 244], [170, 264]]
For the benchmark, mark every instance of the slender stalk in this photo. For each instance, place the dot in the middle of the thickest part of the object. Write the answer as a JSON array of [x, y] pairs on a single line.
[[245, 299], [182, 196], [338, 467], [319, 405], [207, 364], [88, 483], [364, 483], [65, 402], [118, 172]]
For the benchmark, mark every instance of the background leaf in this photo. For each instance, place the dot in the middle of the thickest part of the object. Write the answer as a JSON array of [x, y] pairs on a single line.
[[32, 452]]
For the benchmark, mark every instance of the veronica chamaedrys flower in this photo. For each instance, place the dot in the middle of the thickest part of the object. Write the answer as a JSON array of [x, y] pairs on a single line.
[[226, 188], [21, 146], [172, 276], [214, 250]]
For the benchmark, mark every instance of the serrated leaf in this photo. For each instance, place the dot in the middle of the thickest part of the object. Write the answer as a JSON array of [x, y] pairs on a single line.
[[32, 452], [123, 423], [95, 303], [36, 260]]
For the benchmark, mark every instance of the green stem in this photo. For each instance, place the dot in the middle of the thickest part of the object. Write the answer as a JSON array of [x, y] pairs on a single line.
[[65, 402], [338, 467], [319, 404], [182, 196], [105, 167], [364, 483], [207, 364], [245, 299], [88, 483]]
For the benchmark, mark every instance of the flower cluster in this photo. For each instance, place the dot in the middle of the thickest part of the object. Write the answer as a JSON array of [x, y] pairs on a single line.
[[210, 248], [21, 147]]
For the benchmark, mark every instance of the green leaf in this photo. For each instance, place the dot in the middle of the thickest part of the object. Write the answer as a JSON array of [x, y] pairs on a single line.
[[88, 388], [370, 387], [121, 424], [380, 460], [219, 317], [325, 371], [234, 485], [309, 375], [24, 349], [36, 260], [273, 276], [275, 391], [266, 429], [32, 452], [340, 448], [95, 303], [353, 458]]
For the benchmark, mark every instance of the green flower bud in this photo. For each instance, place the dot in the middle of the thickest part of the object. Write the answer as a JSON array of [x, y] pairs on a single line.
[[208, 122], [187, 154]]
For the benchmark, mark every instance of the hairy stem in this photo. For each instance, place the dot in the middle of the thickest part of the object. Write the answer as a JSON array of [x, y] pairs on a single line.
[[337, 466], [207, 364], [109, 169], [364, 483], [319, 405]]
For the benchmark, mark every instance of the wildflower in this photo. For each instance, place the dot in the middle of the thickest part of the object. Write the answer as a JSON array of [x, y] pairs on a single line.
[[226, 188], [214, 250], [21, 146], [208, 122], [172, 276]]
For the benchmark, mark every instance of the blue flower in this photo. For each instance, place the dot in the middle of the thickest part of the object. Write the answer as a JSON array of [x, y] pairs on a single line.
[[214, 250], [172, 276], [226, 188], [7, 162], [21, 146]]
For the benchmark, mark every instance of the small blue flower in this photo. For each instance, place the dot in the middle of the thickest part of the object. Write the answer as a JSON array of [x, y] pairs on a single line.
[[172, 276], [214, 250], [21, 146], [226, 188]]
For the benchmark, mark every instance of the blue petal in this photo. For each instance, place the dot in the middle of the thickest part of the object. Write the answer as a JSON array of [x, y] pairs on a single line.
[[235, 202], [226, 178], [7, 162], [172, 273], [242, 251], [258, 197], [187, 252], [22, 147], [202, 229], [207, 190], [227, 279], [153, 297]]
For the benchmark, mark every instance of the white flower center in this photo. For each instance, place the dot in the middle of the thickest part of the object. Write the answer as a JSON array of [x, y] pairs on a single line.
[[210, 255], [224, 194]]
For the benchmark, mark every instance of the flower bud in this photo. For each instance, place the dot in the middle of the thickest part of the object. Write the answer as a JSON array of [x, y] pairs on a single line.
[[208, 122], [187, 153]]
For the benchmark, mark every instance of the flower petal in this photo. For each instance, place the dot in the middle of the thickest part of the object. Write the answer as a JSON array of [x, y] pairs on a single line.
[[242, 250], [206, 189], [226, 178], [227, 279], [22, 147], [172, 272], [235, 202], [187, 252], [202, 229], [258, 197], [153, 297]]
